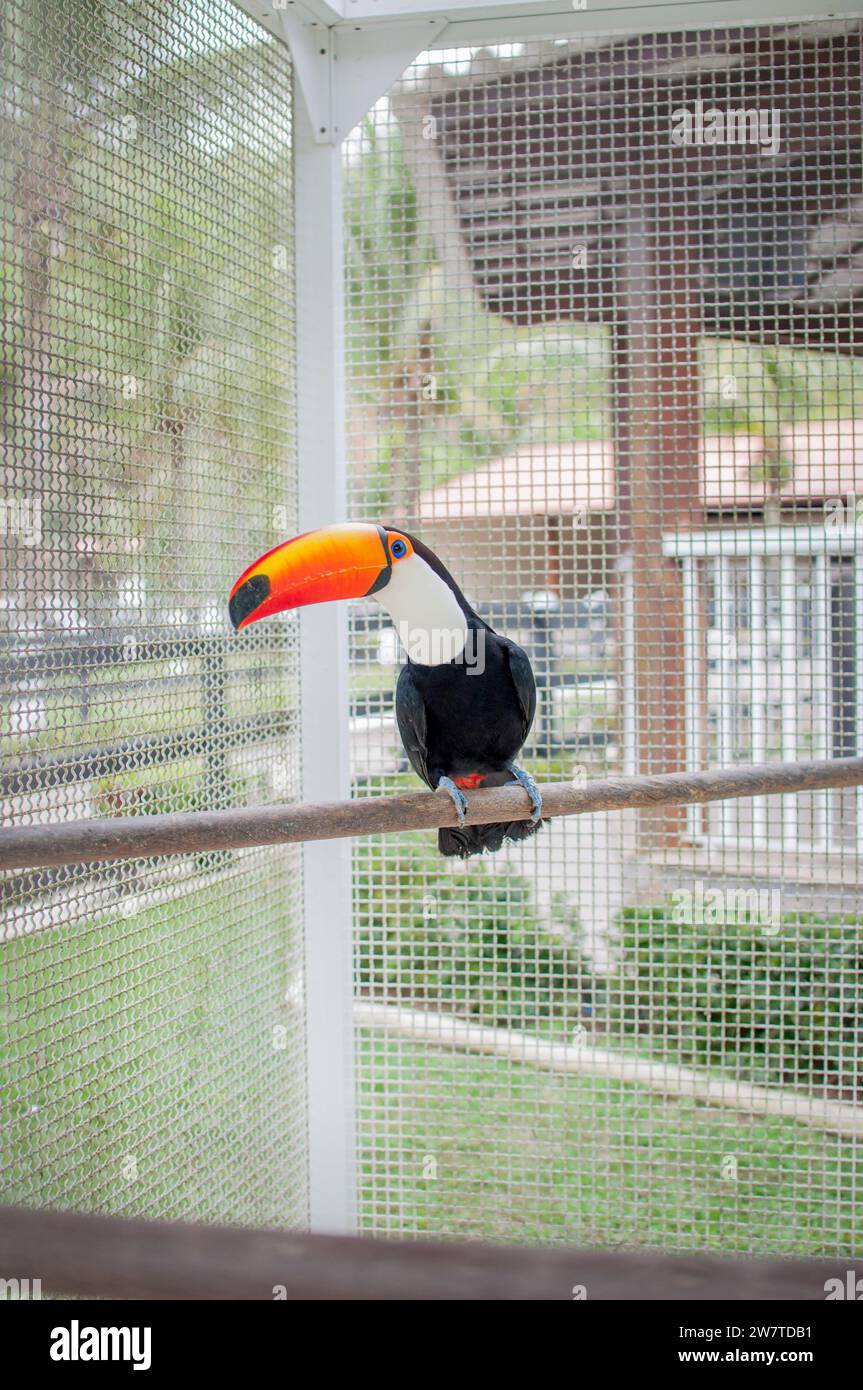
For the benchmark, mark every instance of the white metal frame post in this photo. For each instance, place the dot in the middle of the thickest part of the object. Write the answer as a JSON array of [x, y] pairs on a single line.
[[822, 696], [788, 679], [340, 70], [324, 682], [728, 671], [759, 685], [693, 669], [338, 76]]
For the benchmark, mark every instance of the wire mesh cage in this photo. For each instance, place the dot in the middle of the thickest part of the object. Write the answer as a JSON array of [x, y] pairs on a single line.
[[152, 1011], [601, 358], [599, 349]]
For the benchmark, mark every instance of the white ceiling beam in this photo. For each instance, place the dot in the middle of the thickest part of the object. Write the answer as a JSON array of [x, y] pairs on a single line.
[[471, 22], [348, 53], [511, 20]]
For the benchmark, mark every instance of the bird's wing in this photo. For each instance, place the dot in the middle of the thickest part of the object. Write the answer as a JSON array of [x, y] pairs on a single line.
[[411, 718], [522, 678]]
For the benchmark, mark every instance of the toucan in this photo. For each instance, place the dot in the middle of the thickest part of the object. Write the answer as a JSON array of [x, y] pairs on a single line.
[[466, 698]]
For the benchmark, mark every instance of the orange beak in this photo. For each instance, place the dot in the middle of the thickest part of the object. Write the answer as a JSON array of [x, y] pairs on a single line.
[[346, 561]]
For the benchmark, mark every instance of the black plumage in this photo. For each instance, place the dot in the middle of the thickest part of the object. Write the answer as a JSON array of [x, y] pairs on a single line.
[[459, 721]]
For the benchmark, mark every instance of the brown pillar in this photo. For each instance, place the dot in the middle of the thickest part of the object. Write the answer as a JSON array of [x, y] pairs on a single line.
[[658, 443]]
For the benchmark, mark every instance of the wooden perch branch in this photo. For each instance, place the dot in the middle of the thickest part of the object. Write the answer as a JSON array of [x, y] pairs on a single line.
[[196, 832], [108, 1257]]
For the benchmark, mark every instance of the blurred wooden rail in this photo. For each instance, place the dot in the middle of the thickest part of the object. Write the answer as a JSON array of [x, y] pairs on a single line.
[[106, 1256], [134, 837]]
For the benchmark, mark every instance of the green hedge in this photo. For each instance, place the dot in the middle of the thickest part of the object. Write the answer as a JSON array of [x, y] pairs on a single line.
[[784, 1007], [467, 941]]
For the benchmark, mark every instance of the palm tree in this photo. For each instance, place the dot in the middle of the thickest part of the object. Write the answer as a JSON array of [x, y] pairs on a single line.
[[151, 181]]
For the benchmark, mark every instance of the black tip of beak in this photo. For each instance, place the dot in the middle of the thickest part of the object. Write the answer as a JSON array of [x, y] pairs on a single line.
[[248, 597]]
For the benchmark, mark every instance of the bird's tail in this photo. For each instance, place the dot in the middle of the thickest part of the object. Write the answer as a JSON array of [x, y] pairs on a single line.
[[473, 839]]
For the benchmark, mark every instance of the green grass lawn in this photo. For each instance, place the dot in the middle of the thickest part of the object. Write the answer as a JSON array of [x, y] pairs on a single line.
[[139, 1071], [150, 1039], [453, 1144]]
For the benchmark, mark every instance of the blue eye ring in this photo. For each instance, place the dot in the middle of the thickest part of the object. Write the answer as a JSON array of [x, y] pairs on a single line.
[[398, 549]]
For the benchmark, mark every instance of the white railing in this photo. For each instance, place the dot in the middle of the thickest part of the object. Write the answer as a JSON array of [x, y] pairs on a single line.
[[761, 647]]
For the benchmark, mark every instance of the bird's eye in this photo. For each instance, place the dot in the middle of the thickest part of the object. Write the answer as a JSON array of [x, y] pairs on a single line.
[[398, 549]]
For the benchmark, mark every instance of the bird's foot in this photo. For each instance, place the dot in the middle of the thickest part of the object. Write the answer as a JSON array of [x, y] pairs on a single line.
[[526, 781], [457, 795]]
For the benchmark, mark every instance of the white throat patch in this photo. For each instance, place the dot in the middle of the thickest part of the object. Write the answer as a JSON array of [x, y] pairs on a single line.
[[425, 612]]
